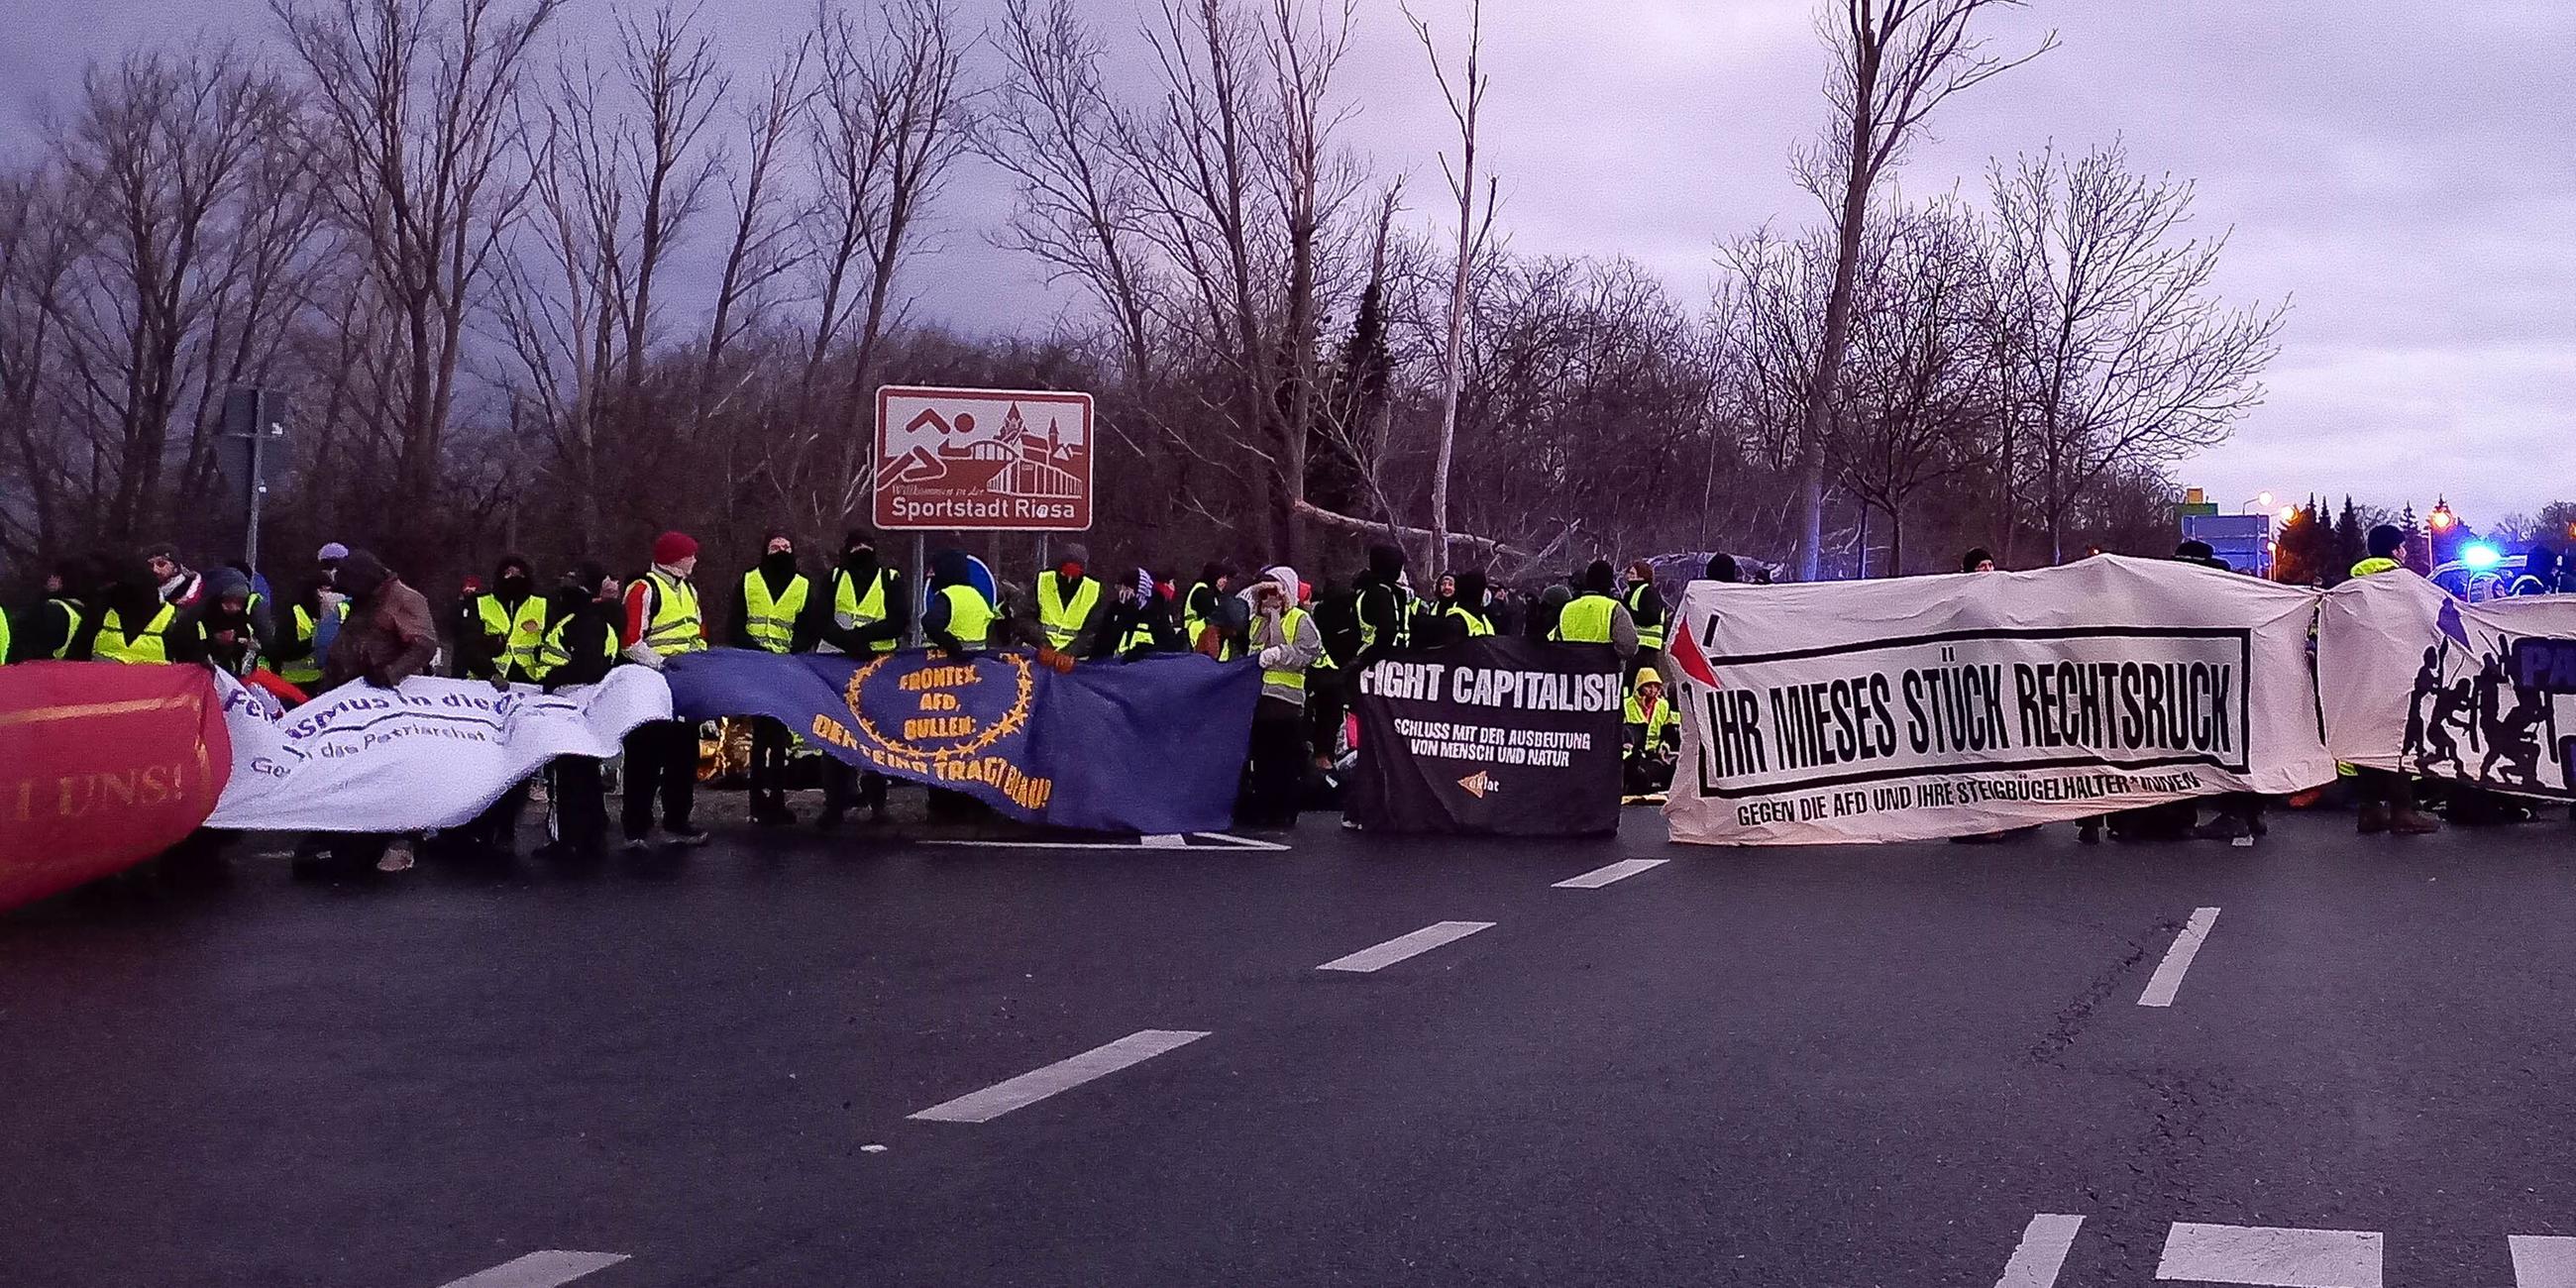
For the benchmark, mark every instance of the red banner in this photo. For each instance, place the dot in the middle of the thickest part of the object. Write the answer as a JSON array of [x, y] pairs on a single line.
[[101, 767]]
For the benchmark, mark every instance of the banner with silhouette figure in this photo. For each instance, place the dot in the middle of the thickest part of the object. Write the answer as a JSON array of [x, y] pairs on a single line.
[[2415, 680]]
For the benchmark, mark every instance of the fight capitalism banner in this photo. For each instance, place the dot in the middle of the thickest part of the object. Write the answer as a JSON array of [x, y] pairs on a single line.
[[1928, 707], [1501, 737], [2416, 680], [1153, 747]]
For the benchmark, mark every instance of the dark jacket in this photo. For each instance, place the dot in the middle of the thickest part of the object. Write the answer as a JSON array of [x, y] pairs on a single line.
[[590, 636], [390, 635], [1383, 603], [136, 601], [800, 637], [860, 571]]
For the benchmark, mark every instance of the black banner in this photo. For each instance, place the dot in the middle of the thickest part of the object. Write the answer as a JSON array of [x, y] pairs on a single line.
[[1499, 737]]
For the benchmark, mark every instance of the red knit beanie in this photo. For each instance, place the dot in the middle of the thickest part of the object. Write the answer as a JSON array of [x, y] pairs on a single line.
[[672, 547]]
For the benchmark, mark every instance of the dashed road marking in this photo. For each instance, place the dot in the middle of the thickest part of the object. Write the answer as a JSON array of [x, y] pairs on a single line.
[[1619, 871], [540, 1270], [1404, 946], [2543, 1261], [1064, 1075], [1174, 841], [2044, 1245], [2271, 1257], [2168, 977]]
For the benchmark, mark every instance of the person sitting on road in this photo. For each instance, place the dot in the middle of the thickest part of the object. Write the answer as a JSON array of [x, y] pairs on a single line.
[[1651, 737]]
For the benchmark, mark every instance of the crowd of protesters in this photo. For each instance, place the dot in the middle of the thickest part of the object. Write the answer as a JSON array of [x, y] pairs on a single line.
[[353, 619]]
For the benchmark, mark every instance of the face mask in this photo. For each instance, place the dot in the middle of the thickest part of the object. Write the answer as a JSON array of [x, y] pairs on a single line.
[[779, 561], [514, 586], [1069, 571]]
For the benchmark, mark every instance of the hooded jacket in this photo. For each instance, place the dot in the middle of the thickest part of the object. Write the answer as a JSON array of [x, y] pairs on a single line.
[[1384, 604], [590, 628], [861, 569], [1269, 642], [390, 635]]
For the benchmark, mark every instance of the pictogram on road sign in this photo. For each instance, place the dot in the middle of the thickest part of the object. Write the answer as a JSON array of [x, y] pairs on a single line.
[[985, 459]]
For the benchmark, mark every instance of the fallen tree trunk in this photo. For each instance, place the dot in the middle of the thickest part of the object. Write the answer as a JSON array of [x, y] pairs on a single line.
[[1362, 527]]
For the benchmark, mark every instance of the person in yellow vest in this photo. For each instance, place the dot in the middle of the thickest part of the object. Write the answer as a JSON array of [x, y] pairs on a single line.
[[1284, 642], [132, 624], [1595, 615], [1652, 735], [663, 621], [1203, 611], [1386, 616], [505, 626], [1140, 623], [1646, 608], [304, 631], [582, 621], [1463, 612], [2388, 795], [865, 613], [772, 613], [957, 620], [1071, 605], [45, 629]]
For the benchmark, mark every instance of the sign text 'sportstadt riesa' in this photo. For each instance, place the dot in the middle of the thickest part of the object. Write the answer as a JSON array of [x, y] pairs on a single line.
[[939, 716]]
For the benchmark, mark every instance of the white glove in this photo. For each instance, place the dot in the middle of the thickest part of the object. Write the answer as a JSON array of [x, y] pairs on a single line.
[[643, 654], [1271, 656]]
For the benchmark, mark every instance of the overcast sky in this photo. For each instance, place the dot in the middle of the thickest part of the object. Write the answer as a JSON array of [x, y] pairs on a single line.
[[2401, 171]]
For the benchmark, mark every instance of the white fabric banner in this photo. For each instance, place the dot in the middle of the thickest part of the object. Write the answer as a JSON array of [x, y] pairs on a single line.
[[431, 754], [1929, 707], [2416, 680]]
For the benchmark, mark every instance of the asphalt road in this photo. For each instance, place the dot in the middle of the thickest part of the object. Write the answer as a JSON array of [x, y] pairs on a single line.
[[1777, 1068]]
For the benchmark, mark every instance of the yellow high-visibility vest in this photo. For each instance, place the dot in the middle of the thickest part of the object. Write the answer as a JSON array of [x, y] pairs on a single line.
[[1585, 621], [1477, 627], [307, 670], [554, 653], [1289, 624], [851, 610], [1647, 636], [676, 625], [771, 620], [1062, 619], [151, 644], [970, 619], [521, 632]]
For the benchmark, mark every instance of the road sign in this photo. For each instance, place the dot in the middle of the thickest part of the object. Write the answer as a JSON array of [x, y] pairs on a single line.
[[983, 459]]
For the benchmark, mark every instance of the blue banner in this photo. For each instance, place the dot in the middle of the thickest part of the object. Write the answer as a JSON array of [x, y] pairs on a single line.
[[1153, 746]]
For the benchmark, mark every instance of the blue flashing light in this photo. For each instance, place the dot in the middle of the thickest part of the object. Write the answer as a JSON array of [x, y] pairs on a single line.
[[2479, 556]]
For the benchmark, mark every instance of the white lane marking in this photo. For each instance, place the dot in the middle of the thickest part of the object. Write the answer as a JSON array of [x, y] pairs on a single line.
[[1064, 1075], [1619, 871], [2168, 976], [1403, 946], [2044, 1245], [2274, 1258], [2543, 1261], [540, 1270], [1175, 841]]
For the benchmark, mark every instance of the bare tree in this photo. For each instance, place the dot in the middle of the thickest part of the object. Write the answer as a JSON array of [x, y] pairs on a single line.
[[414, 103], [1915, 397], [1895, 63], [2133, 363], [1466, 102]]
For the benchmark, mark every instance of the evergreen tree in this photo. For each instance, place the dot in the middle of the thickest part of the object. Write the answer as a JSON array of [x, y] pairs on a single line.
[[2351, 544], [2307, 551]]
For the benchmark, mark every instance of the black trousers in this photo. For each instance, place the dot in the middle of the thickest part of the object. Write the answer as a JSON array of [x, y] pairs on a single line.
[[844, 785], [2383, 788], [581, 809], [769, 759], [1276, 777], [661, 759], [499, 824], [1326, 703]]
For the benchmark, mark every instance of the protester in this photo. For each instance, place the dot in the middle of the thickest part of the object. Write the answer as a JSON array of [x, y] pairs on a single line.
[[1651, 736], [1385, 605], [502, 628], [1205, 614], [866, 616], [1462, 614], [1647, 611], [1283, 642], [1595, 615], [1328, 697], [305, 632], [1721, 567], [1546, 608], [583, 618], [770, 614], [2387, 795], [234, 644], [1070, 604], [2540, 574], [1977, 559], [957, 621], [132, 624], [663, 621], [45, 630], [389, 637], [178, 585], [1140, 623]]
